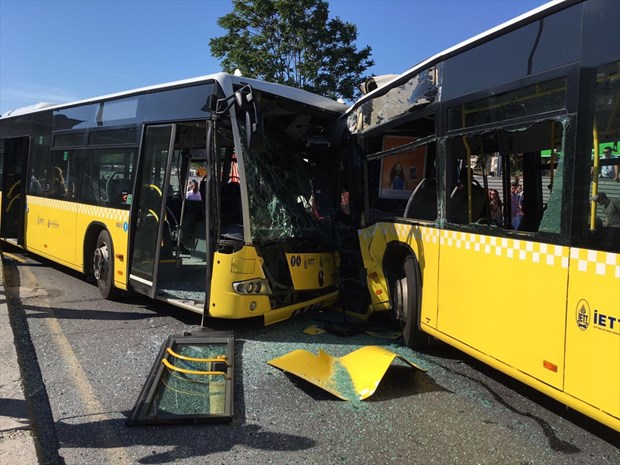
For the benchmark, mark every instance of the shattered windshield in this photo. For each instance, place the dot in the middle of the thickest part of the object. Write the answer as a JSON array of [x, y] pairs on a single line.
[[280, 192]]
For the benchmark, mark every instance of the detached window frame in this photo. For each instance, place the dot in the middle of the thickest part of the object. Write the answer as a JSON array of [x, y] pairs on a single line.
[[146, 411]]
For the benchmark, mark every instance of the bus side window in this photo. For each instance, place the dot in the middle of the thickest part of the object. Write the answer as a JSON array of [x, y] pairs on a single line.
[[603, 214], [56, 185], [106, 178], [458, 199]]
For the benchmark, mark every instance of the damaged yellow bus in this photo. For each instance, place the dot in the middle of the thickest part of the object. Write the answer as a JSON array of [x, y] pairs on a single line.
[[478, 225], [101, 186]]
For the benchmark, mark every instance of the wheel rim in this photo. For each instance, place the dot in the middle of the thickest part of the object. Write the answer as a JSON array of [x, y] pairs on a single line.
[[100, 262], [400, 298]]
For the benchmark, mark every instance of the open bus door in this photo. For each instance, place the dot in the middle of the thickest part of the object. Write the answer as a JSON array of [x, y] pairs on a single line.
[[150, 210], [14, 188]]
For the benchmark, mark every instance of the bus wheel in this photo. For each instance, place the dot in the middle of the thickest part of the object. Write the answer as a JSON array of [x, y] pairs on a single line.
[[103, 266], [406, 304]]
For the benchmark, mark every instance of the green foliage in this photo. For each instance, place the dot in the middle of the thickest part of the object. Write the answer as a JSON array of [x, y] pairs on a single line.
[[292, 42]]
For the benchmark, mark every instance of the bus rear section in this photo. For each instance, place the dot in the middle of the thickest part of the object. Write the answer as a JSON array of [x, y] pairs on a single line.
[[492, 217]]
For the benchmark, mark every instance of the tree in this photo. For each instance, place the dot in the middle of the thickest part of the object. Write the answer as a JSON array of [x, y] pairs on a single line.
[[292, 42]]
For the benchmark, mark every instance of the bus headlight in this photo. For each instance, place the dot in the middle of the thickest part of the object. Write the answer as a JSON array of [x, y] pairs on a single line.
[[252, 287]]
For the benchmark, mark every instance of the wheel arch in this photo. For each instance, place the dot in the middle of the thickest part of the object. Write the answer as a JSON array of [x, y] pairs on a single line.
[[395, 266], [90, 243], [394, 258]]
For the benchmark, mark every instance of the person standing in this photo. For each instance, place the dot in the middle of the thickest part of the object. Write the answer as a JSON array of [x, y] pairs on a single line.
[[495, 207], [193, 193], [609, 171], [611, 209], [58, 188], [516, 200]]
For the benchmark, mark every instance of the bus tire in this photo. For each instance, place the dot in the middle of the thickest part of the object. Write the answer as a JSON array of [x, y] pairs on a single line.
[[103, 265], [406, 303]]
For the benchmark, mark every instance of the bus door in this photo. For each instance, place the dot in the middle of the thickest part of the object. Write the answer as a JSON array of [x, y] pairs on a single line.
[[14, 188], [149, 212]]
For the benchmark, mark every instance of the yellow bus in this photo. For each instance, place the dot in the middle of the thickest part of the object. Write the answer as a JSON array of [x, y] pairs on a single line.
[[477, 225], [201, 193]]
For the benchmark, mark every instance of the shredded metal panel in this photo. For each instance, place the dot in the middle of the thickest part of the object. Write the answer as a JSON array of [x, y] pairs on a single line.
[[355, 376]]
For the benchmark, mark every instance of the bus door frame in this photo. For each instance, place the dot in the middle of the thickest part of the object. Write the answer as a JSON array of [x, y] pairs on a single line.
[[140, 213], [14, 187]]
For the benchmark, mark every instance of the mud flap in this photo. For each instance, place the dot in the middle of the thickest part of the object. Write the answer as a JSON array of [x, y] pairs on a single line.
[[352, 377]]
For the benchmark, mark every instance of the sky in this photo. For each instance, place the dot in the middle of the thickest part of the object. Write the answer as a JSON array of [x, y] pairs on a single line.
[[67, 50]]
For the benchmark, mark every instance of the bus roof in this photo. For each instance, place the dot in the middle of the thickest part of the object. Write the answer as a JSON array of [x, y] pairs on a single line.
[[227, 81], [503, 28]]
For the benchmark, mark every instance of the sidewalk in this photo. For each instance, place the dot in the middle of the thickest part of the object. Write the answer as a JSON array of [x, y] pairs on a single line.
[[17, 444]]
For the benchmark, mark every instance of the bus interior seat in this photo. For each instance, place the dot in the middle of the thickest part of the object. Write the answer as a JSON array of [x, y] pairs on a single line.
[[90, 190], [173, 214], [114, 190], [458, 205], [423, 202]]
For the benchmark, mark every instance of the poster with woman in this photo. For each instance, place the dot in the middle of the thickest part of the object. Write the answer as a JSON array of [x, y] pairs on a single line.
[[401, 173]]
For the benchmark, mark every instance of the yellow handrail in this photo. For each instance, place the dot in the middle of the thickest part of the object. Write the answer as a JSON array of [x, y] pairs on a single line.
[[595, 173], [219, 358], [170, 366], [469, 180]]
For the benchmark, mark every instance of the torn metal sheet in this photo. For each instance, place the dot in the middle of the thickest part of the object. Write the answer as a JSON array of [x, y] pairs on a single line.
[[352, 377]]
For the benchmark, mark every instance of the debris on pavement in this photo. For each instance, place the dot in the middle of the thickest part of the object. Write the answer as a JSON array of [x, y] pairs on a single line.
[[354, 376]]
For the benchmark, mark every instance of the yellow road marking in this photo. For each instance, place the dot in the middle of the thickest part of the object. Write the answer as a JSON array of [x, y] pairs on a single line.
[[77, 377], [17, 258]]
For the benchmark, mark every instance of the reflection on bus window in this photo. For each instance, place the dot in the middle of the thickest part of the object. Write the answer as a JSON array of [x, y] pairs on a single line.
[[107, 177], [604, 191]]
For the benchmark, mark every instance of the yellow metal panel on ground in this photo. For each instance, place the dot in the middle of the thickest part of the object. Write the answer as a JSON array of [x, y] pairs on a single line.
[[593, 330], [506, 298], [352, 377]]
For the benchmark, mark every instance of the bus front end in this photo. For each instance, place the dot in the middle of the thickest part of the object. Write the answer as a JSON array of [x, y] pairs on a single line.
[[279, 190]]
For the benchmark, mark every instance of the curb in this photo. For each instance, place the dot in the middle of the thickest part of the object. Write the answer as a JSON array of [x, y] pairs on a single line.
[[17, 441]]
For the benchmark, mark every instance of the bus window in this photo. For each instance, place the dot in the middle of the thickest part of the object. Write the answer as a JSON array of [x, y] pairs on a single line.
[[61, 178], [107, 177], [604, 193], [401, 178], [514, 179], [1, 161]]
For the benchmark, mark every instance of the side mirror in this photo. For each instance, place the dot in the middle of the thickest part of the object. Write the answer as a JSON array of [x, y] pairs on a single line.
[[254, 128], [246, 104], [210, 104], [244, 99]]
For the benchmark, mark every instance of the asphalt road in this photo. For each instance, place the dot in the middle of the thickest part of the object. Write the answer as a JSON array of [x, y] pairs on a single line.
[[93, 356]]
